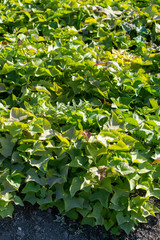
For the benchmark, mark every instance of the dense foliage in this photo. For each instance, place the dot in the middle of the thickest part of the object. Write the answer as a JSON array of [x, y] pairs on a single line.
[[79, 108]]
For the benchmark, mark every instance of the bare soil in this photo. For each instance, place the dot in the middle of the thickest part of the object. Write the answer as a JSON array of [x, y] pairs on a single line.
[[31, 223]]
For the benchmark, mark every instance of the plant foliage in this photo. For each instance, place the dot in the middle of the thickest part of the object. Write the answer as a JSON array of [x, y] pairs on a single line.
[[80, 108]]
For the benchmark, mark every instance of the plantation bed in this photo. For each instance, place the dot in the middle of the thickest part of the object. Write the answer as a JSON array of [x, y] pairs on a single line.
[[79, 119]]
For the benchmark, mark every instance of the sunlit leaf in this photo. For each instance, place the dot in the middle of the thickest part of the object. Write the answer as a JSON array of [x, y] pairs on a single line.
[[156, 161], [42, 89], [6, 69], [76, 185], [119, 146], [18, 114], [42, 163]]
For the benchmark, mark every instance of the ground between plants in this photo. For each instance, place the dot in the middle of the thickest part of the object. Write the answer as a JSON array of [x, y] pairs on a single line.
[[31, 223]]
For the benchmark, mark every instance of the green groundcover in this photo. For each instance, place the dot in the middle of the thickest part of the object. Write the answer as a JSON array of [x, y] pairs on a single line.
[[80, 108]]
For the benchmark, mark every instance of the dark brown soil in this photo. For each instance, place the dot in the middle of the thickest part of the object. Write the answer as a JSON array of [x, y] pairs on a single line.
[[31, 223]]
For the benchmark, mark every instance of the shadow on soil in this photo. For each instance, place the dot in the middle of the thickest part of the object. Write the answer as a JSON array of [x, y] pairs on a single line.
[[31, 223]]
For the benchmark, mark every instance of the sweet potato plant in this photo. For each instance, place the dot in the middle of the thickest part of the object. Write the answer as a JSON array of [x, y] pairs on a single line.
[[80, 109]]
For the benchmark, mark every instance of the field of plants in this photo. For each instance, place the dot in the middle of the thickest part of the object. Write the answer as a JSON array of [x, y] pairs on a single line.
[[80, 109]]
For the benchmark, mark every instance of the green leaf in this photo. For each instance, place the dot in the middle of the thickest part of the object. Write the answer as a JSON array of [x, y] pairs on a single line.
[[7, 187], [6, 69], [115, 230], [16, 128], [37, 147], [42, 89], [154, 103], [62, 139], [72, 214], [88, 221], [109, 223], [7, 145], [124, 168], [153, 193], [42, 163], [106, 184], [83, 212], [122, 219], [18, 114], [127, 227], [47, 199], [128, 140], [16, 157], [74, 202], [115, 122], [54, 71], [30, 197], [70, 133], [137, 217], [145, 167], [56, 88], [43, 72], [151, 10], [149, 207], [32, 175], [60, 193], [57, 178], [138, 201], [75, 185], [33, 129], [31, 187], [97, 213], [132, 121], [92, 151], [7, 197], [18, 201], [2, 87], [7, 212], [78, 161], [14, 182], [102, 140], [102, 196], [47, 134], [119, 146]]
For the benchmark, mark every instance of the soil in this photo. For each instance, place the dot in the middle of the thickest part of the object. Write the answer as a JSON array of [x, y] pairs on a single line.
[[31, 223]]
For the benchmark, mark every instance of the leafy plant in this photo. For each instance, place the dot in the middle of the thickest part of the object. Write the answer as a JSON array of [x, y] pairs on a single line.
[[79, 109]]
